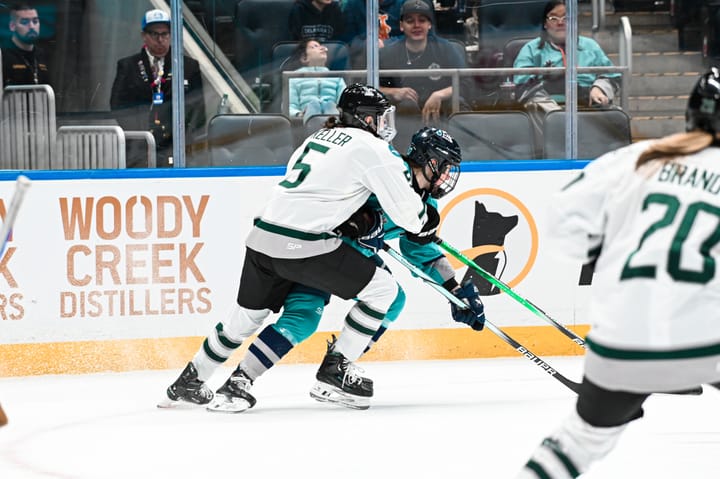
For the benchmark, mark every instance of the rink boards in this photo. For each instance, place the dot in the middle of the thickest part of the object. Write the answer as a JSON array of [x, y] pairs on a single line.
[[124, 270]]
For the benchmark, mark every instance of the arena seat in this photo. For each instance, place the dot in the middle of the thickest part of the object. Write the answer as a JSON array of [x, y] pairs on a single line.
[[492, 135], [512, 48], [259, 24], [502, 20], [599, 131], [338, 54], [261, 139]]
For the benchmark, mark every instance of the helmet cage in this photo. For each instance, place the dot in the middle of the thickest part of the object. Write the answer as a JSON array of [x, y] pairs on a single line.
[[385, 122], [439, 156], [443, 182]]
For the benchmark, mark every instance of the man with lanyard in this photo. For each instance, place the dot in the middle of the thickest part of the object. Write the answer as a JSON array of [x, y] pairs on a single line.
[[142, 96], [23, 63]]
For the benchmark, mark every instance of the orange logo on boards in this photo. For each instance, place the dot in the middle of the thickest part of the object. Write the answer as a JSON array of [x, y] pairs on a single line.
[[494, 229]]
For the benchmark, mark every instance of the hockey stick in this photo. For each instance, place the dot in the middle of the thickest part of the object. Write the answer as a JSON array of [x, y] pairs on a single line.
[[525, 352], [22, 183], [529, 305], [509, 291]]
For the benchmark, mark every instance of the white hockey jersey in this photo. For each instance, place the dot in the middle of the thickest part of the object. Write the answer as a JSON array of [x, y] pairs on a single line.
[[329, 177], [655, 302]]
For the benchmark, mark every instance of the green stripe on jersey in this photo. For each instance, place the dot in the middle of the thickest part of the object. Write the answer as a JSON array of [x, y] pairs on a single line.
[[614, 353], [301, 235]]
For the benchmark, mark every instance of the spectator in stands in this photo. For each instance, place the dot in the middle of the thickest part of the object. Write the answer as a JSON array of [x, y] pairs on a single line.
[[419, 49], [317, 19], [548, 50], [311, 95], [354, 13], [23, 62], [142, 97], [541, 94]]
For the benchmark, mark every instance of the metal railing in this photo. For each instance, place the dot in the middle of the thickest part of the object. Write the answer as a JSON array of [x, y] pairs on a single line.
[[27, 127], [598, 15], [90, 147], [149, 140]]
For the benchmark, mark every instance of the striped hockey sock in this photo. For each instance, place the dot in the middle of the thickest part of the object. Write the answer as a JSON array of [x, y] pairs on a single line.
[[268, 348]]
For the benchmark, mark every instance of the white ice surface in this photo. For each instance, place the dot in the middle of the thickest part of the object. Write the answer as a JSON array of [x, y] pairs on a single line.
[[428, 419]]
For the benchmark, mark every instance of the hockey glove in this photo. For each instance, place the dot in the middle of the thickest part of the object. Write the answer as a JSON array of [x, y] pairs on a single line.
[[474, 316], [374, 239], [427, 234], [360, 223]]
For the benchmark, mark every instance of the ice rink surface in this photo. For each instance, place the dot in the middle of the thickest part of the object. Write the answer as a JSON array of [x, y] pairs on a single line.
[[428, 419]]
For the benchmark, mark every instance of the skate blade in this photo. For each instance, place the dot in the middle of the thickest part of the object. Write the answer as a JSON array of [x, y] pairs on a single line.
[[325, 393], [228, 405], [168, 403]]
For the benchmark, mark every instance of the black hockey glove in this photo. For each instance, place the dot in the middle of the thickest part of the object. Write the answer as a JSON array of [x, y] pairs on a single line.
[[427, 233], [374, 239], [474, 316], [360, 223]]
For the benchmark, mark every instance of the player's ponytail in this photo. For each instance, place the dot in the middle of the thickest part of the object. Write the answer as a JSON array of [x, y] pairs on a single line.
[[680, 144]]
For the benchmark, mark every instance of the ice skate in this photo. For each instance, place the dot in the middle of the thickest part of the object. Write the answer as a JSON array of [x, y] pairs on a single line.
[[187, 390], [339, 382], [234, 396]]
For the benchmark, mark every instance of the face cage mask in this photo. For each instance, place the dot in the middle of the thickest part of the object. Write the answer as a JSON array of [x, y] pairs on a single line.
[[386, 125], [446, 182]]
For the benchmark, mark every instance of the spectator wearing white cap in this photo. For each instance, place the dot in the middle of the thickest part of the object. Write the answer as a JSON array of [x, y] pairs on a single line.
[[142, 92]]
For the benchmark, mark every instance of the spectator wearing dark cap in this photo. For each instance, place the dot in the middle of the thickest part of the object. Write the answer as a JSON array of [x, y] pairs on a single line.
[[142, 92], [418, 48], [22, 62]]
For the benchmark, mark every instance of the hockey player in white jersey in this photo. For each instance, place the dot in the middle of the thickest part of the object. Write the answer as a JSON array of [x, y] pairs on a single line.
[[650, 212], [304, 306], [295, 239]]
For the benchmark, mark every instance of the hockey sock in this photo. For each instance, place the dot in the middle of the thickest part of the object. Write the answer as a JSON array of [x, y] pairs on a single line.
[[215, 350], [226, 338], [268, 348], [375, 338], [361, 325], [571, 450]]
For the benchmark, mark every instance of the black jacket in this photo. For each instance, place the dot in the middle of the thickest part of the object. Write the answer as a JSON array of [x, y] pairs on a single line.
[[19, 67], [131, 100], [306, 21]]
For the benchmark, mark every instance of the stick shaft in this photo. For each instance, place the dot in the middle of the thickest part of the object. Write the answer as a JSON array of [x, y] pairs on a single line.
[[570, 334], [21, 186], [525, 352], [510, 292]]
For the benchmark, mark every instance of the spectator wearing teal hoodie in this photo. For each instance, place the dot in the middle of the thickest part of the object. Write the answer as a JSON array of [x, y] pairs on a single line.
[[310, 96]]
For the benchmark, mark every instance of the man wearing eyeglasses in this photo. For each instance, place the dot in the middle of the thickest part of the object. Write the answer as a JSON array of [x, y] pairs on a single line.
[[23, 63], [142, 96]]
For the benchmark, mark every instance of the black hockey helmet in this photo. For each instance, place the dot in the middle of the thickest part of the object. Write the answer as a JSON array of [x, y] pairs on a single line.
[[439, 151], [366, 107], [703, 108]]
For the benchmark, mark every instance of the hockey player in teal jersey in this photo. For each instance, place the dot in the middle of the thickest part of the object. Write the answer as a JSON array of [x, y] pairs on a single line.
[[651, 214], [304, 306]]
